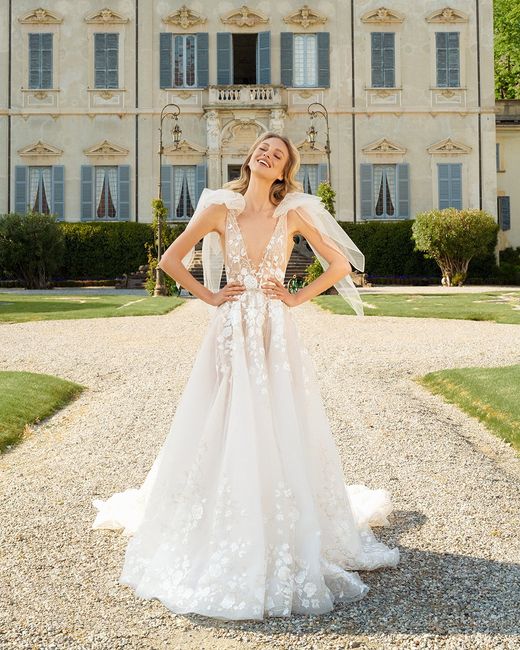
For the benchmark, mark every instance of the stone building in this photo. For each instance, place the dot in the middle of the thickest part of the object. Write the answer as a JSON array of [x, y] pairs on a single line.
[[408, 89]]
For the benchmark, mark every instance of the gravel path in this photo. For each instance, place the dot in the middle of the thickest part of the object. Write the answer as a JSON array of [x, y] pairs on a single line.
[[455, 487]]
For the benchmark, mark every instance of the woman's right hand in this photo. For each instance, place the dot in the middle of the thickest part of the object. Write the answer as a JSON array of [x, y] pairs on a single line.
[[229, 292]]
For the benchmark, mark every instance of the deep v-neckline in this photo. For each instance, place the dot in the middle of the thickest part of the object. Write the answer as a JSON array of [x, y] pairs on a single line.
[[256, 269]]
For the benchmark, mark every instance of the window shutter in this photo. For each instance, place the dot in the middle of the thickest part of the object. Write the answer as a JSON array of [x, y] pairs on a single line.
[[165, 60], [497, 153], [403, 190], [99, 60], [200, 179], [453, 59], [224, 58], [504, 212], [20, 189], [46, 54], [58, 190], [123, 182], [441, 58], [263, 58], [443, 173], [389, 59], [286, 58], [166, 188], [34, 60], [87, 192], [323, 59], [456, 185], [377, 72], [202, 60], [366, 190], [112, 60], [323, 174]]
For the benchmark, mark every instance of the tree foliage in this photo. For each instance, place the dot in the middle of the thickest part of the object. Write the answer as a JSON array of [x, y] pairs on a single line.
[[31, 247], [452, 238], [507, 48]]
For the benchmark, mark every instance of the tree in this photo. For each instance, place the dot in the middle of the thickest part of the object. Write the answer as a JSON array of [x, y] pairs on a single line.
[[32, 246], [452, 238], [507, 49]]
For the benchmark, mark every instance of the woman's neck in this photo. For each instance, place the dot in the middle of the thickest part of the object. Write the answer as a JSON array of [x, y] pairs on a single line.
[[257, 194]]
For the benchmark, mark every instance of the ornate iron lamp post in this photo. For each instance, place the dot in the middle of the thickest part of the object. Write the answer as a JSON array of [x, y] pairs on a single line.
[[160, 289], [312, 132]]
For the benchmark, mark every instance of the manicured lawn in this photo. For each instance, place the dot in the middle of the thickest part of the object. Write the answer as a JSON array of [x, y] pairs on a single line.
[[489, 394], [500, 307], [29, 397], [17, 308]]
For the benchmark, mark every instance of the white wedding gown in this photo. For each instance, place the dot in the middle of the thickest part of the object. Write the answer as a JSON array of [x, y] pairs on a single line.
[[245, 513]]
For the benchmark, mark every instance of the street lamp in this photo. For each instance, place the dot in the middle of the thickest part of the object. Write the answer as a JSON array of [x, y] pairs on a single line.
[[176, 132], [312, 132]]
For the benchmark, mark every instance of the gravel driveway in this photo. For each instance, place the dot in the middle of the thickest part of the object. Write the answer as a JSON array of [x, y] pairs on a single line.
[[455, 487]]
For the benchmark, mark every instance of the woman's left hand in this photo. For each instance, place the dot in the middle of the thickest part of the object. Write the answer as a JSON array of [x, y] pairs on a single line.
[[275, 289]]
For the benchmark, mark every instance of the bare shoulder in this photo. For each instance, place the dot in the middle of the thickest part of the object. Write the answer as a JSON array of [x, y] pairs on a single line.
[[294, 223], [214, 217]]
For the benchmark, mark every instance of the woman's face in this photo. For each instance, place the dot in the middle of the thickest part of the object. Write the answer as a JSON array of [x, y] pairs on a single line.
[[269, 159]]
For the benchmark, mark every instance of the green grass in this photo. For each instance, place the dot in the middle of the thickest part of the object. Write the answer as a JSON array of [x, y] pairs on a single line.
[[27, 398], [18, 308], [489, 394], [497, 306]]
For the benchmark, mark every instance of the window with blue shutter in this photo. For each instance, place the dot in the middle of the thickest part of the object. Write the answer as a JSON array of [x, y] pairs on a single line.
[[308, 177], [40, 60], [39, 189], [447, 59], [450, 185], [106, 60], [305, 59], [323, 59], [105, 192], [181, 186], [224, 58], [504, 212], [383, 59], [286, 58], [385, 192], [183, 60]]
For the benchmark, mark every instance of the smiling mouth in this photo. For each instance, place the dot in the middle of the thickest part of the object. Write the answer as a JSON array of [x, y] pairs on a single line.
[[263, 162]]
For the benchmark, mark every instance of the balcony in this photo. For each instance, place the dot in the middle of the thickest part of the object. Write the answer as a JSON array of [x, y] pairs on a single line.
[[245, 96]]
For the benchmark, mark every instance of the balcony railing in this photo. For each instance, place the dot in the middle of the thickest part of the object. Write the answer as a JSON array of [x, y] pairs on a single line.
[[257, 95]]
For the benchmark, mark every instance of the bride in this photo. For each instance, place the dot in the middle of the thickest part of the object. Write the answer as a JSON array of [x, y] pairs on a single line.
[[245, 512]]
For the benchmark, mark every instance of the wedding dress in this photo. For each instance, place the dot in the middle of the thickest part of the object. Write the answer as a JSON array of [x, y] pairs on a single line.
[[245, 513]]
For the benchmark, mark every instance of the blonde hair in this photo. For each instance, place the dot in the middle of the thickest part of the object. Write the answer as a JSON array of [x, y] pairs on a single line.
[[279, 188]]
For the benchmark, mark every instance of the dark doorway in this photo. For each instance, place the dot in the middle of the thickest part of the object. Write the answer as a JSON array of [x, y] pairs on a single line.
[[233, 171], [244, 58]]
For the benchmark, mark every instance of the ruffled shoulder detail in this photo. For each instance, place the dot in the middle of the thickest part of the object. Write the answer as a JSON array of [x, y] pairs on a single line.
[[233, 200], [294, 200]]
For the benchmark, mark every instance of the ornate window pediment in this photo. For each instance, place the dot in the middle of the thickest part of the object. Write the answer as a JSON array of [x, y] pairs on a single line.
[[447, 15], [41, 16], [304, 147], [305, 17], [382, 15], [244, 17], [185, 148], [184, 17], [384, 146], [40, 148], [106, 148], [105, 17], [448, 146]]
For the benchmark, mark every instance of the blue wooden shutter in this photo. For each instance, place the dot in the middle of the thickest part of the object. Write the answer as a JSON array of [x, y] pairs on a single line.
[[123, 192], [58, 190], [100, 72], [263, 58], [366, 190], [450, 185], [106, 60], [167, 188], [377, 56], [34, 60], [453, 60], [112, 55], [403, 190], [323, 59], [447, 59], [202, 59], [224, 58], [20, 189], [504, 212], [456, 185], [389, 59], [323, 174], [383, 59], [497, 153], [87, 192], [443, 173], [46, 54], [441, 58], [200, 179], [40, 60], [165, 64], [286, 58]]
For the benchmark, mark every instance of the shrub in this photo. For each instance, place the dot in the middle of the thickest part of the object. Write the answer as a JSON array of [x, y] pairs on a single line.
[[452, 238], [31, 247]]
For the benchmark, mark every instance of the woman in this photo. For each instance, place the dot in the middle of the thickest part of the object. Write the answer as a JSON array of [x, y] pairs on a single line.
[[245, 512]]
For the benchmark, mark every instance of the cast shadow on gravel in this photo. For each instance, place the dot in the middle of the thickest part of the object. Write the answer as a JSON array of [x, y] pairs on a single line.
[[427, 593]]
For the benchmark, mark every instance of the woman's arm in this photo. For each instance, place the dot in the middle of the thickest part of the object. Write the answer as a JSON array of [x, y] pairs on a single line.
[[338, 267], [171, 260]]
